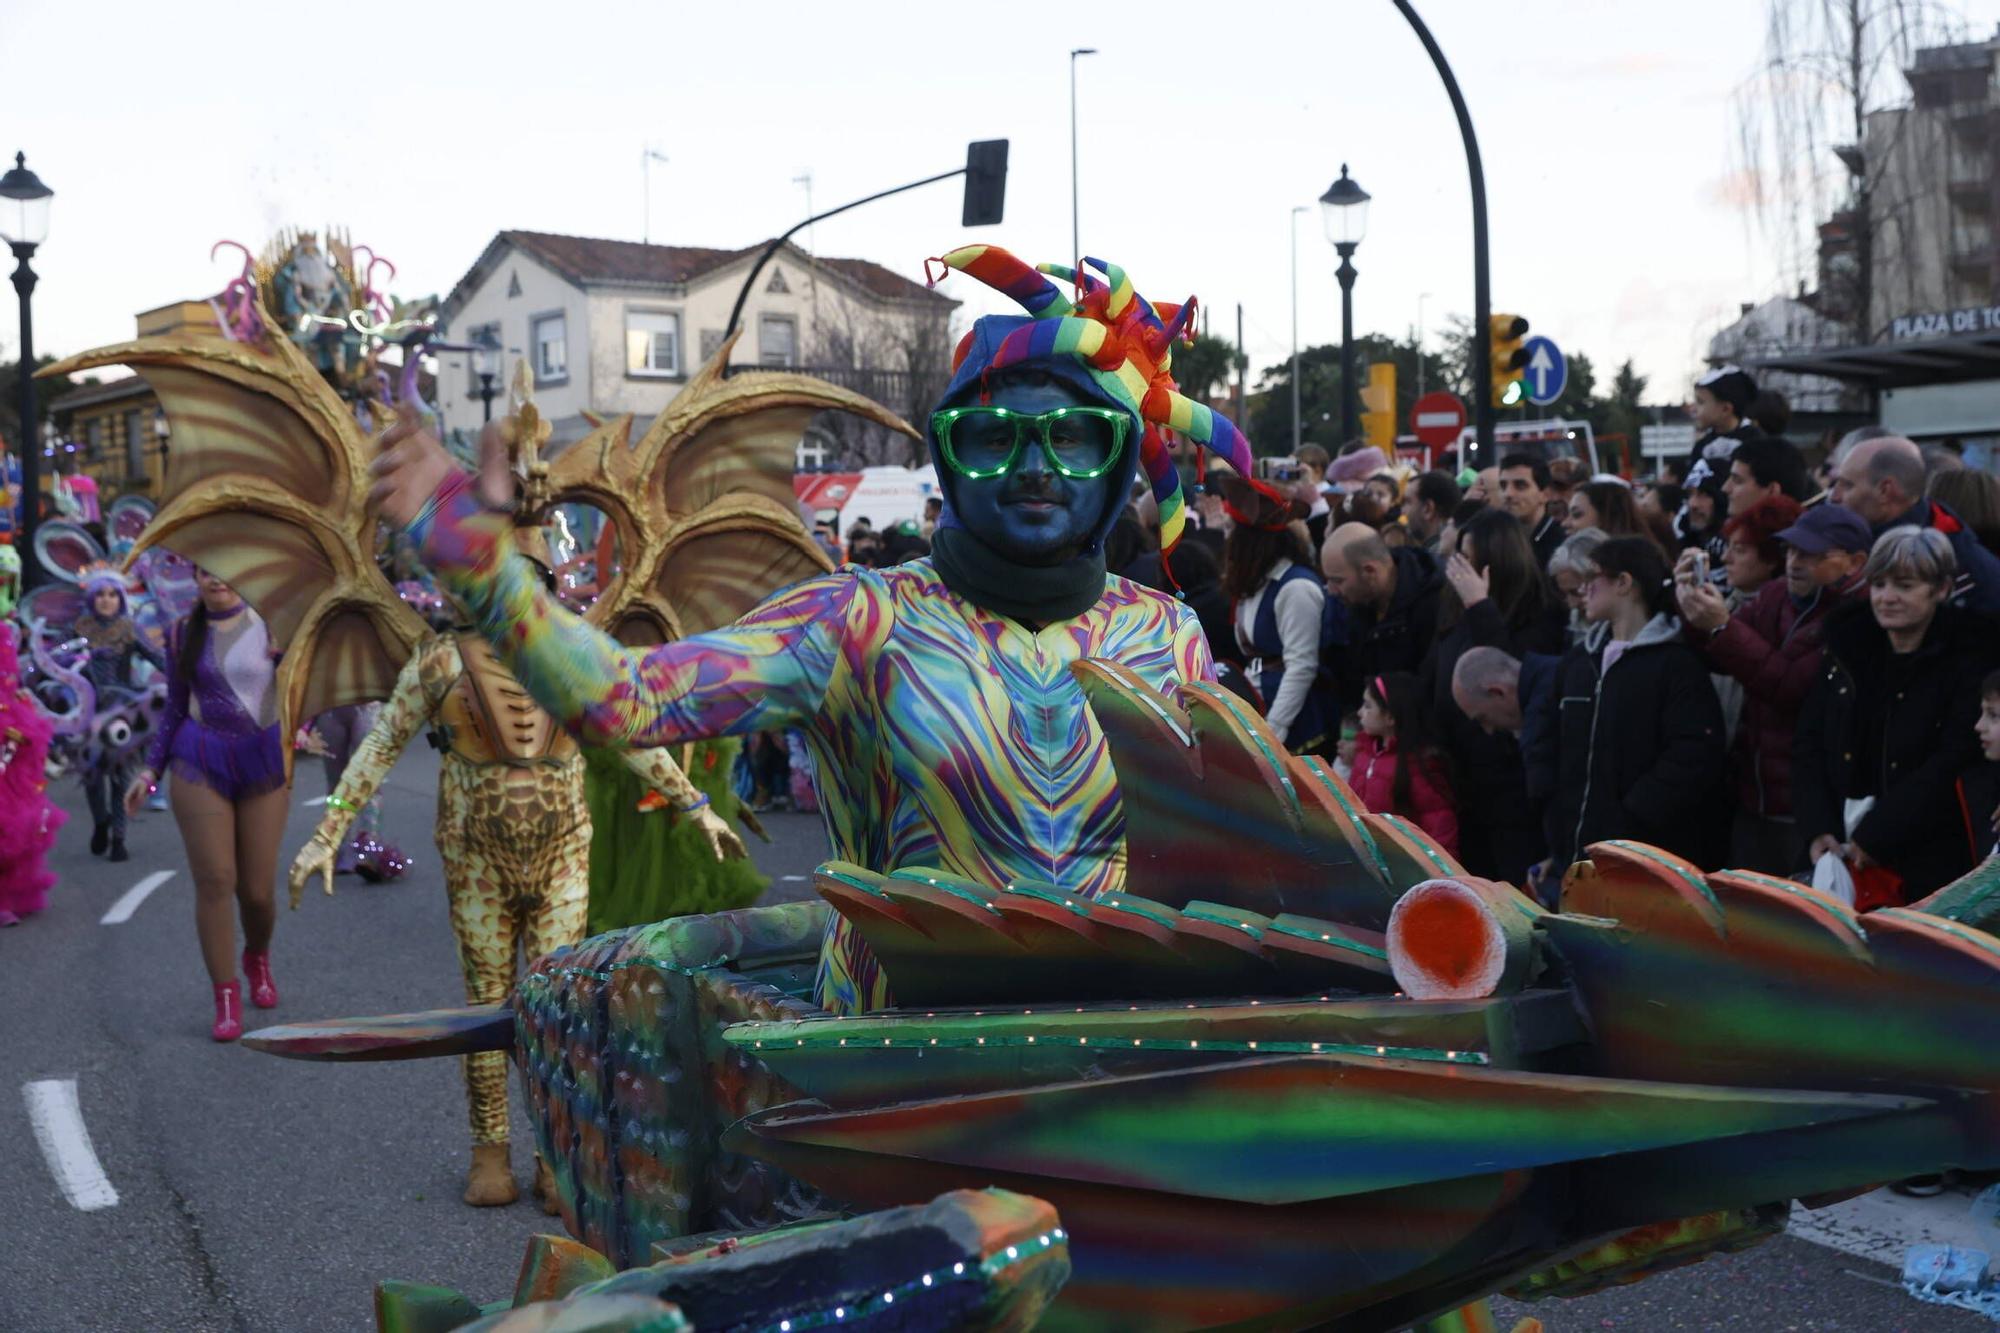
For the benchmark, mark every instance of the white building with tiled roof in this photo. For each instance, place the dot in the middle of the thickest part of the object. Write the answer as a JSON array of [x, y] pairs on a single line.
[[616, 326]]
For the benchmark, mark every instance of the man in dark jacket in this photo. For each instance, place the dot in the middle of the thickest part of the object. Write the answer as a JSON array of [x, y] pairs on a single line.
[[1392, 601], [1506, 696], [1883, 481], [1771, 646], [1524, 493]]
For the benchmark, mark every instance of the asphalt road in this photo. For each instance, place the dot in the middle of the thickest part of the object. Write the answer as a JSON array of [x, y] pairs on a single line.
[[263, 1194]]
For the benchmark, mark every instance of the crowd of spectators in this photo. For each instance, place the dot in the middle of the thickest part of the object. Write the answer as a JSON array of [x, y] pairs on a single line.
[[1741, 660]]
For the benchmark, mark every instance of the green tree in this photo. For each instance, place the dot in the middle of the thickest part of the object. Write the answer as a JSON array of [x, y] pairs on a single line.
[[1270, 409], [46, 392], [1204, 366]]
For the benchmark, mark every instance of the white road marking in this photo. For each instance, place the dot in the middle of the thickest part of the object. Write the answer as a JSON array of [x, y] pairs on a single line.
[[317, 800], [1883, 1225], [65, 1143], [128, 902], [793, 879]]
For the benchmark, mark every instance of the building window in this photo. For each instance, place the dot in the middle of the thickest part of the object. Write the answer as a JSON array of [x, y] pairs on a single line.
[[135, 444], [550, 336], [652, 343], [481, 335], [711, 343], [777, 340], [93, 440]]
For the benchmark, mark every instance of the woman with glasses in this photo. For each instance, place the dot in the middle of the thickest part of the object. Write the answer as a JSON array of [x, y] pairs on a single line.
[[1639, 741]]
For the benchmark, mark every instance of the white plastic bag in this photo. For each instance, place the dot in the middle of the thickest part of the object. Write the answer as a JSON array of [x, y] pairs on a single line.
[[1830, 875]]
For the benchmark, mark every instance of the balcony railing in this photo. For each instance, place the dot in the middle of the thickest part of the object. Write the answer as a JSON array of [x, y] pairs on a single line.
[[890, 388]]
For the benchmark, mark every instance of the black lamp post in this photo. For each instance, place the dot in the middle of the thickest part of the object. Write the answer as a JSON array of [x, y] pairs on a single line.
[[485, 365], [1344, 207], [24, 224]]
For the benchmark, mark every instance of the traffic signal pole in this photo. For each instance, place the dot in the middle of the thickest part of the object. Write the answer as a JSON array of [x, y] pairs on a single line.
[[1482, 278]]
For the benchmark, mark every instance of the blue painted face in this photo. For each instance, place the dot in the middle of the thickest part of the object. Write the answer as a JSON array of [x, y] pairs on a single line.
[[1033, 515]]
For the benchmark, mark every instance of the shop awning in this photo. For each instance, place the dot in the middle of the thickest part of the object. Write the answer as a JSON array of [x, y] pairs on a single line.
[[1898, 365]]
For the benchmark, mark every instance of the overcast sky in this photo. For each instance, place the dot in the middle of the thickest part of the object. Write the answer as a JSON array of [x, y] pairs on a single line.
[[1605, 124]]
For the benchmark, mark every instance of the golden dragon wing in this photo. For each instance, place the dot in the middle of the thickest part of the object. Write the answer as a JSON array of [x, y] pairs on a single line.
[[266, 487], [703, 507]]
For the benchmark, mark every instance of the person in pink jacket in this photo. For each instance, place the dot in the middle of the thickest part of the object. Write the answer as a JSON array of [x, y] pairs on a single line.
[[1397, 768]]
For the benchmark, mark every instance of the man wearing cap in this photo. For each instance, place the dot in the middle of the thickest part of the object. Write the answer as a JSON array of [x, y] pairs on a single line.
[[1772, 647], [936, 695], [1721, 412]]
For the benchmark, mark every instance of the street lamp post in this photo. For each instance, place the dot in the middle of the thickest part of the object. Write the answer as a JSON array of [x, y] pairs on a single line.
[[485, 356], [1344, 207], [24, 224], [1075, 227], [1297, 431]]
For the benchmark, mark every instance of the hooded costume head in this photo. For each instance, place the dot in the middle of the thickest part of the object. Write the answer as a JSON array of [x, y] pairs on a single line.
[[1114, 349]]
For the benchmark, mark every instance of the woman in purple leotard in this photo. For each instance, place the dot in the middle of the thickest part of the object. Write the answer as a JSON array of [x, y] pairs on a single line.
[[220, 740]]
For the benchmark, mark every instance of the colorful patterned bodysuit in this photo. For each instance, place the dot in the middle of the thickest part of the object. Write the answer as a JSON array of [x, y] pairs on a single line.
[[512, 824], [944, 736]]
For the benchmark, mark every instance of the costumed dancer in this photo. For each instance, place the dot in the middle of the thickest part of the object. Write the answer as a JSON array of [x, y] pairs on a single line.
[[513, 833], [222, 740], [10, 575], [28, 818], [648, 864], [107, 626], [935, 695], [338, 733]]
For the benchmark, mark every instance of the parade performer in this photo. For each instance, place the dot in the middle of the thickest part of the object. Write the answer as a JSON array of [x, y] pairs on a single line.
[[90, 602], [115, 646], [10, 575], [221, 739], [936, 695], [513, 833], [337, 735], [28, 818], [645, 863]]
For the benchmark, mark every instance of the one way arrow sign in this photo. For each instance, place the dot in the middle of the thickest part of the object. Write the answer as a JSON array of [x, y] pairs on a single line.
[[1547, 372]]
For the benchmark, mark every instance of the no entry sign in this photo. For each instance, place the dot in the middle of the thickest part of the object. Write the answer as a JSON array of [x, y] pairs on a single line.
[[1437, 418]]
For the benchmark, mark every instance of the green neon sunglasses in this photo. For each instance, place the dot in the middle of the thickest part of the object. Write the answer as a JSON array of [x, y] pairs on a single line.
[[1081, 443]]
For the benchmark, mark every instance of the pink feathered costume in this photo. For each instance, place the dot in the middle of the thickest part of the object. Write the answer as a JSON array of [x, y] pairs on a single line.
[[28, 819]]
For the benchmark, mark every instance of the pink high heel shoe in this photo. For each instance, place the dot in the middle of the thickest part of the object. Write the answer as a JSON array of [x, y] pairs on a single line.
[[228, 1012], [263, 990]]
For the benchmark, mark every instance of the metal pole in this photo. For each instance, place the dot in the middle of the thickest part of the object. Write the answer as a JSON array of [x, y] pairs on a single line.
[[31, 436], [1421, 298], [1297, 431], [1349, 410], [1075, 227], [1482, 281], [1242, 362]]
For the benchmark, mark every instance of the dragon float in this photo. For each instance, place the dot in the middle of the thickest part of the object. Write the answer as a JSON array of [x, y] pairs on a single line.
[[1337, 1082], [1342, 1083]]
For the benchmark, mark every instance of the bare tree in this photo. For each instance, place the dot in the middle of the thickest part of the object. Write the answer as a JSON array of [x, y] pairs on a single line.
[[1806, 154], [902, 360]]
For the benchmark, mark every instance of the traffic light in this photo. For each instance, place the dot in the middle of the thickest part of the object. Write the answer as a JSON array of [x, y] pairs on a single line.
[[985, 183], [1378, 406], [1509, 359]]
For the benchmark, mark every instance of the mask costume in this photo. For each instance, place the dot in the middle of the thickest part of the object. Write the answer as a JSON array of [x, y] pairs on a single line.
[[936, 695], [268, 489], [28, 818], [10, 576], [109, 665]]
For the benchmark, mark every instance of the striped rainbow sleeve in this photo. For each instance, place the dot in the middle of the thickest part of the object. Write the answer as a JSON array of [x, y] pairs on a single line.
[[770, 669]]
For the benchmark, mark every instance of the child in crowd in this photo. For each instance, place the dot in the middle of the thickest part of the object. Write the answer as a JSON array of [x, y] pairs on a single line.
[[1343, 750], [1980, 788], [1397, 768]]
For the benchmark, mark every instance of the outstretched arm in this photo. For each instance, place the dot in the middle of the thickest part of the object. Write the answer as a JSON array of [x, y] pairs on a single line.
[[373, 758], [768, 670], [657, 769]]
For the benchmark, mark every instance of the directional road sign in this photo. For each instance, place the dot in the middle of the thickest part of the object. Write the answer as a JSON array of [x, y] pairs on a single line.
[[1546, 372]]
